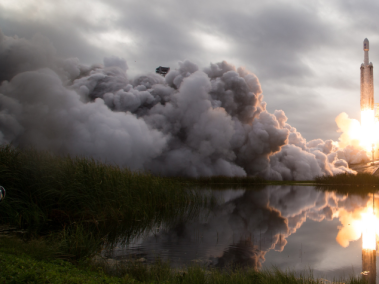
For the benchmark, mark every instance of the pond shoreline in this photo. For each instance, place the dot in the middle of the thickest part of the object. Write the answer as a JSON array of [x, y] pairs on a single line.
[[21, 263], [73, 206]]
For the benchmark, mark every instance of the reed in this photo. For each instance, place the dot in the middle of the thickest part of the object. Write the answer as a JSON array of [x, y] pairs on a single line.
[[36, 262], [77, 196], [160, 272], [40, 261]]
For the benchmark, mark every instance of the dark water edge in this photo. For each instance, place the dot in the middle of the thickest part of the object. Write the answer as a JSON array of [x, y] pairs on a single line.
[[283, 226], [82, 206]]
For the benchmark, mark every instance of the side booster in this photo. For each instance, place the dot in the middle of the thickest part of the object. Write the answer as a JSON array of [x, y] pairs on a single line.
[[367, 81]]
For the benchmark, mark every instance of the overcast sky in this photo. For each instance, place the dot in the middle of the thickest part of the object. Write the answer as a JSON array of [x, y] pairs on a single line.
[[306, 54]]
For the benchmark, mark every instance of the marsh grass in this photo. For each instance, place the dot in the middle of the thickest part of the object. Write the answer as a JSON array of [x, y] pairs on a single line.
[[39, 261], [36, 262], [71, 207], [87, 201], [38, 248], [161, 272], [19, 266]]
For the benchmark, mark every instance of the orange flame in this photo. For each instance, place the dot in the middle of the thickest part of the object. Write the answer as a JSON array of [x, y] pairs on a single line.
[[354, 133]]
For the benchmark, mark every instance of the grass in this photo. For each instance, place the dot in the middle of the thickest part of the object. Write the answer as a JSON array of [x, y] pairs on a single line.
[[23, 263], [35, 262], [72, 207], [86, 201], [160, 272]]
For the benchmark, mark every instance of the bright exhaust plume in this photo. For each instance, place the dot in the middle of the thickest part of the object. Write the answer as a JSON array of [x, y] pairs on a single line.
[[367, 131]]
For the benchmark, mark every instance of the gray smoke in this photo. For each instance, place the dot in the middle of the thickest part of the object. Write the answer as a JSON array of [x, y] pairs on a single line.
[[191, 123]]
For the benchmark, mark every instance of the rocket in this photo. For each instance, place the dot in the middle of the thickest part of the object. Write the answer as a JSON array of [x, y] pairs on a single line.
[[367, 81]]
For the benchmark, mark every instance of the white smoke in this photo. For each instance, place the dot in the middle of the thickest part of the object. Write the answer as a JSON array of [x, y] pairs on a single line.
[[192, 122]]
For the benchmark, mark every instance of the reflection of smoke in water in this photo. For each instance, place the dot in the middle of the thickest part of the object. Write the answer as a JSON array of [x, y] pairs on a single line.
[[245, 225], [192, 122], [357, 223]]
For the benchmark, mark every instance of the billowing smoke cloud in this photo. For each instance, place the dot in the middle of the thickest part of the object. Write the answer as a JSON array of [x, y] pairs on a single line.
[[192, 122]]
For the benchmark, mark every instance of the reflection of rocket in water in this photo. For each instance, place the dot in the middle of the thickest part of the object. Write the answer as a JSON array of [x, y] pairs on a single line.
[[369, 223], [367, 86], [369, 265]]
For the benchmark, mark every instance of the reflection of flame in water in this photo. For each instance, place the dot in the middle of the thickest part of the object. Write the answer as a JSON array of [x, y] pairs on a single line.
[[356, 224], [369, 225]]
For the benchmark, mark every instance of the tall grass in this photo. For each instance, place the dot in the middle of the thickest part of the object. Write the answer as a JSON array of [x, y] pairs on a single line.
[[161, 272], [47, 193], [35, 263]]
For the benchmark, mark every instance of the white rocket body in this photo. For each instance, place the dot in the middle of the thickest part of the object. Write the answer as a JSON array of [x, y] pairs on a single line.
[[367, 80]]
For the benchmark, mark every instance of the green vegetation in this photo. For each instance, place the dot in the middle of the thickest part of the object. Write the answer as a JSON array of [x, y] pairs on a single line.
[[160, 272], [36, 262], [87, 203], [64, 210]]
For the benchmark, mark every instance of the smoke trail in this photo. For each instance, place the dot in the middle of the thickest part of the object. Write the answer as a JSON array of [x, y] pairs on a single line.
[[192, 122]]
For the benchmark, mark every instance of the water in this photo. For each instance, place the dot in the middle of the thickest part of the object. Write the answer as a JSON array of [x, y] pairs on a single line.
[[288, 227]]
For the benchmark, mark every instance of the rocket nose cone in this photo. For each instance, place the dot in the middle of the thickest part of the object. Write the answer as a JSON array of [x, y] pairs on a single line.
[[366, 45]]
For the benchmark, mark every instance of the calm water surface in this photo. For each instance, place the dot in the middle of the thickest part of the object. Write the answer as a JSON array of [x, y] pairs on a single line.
[[289, 227]]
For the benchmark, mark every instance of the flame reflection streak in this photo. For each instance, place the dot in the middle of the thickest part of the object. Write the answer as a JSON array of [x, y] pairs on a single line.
[[369, 230]]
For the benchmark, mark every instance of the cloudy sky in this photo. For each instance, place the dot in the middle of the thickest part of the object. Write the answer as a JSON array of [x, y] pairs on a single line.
[[306, 54]]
